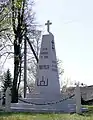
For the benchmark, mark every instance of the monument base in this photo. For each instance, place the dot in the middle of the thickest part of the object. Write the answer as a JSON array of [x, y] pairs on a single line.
[[45, 104], [44, 96]]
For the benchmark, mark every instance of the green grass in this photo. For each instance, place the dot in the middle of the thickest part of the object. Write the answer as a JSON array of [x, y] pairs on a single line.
[[29, 116]]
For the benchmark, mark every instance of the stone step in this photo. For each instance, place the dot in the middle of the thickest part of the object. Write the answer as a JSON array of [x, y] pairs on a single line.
[[43, 100], [43, 110], [25, 105], [47, 96], [46, 110], [36, 100], [61, 105], [71, 109], [57, 107]]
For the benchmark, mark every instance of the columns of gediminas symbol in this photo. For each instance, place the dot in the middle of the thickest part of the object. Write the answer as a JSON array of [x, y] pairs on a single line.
[[78, 99], [8, 100], [1, 101]]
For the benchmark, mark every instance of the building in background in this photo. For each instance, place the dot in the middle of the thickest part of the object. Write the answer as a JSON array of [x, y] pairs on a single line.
[[86, 92]]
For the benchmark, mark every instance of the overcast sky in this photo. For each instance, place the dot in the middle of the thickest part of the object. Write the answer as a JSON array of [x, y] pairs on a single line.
[[72, 26]]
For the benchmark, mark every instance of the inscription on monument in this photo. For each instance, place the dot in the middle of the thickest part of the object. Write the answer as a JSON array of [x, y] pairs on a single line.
[[45, 57], [53, 47], [54, 61], [54, 66], [55, 70], [41, 57], [44, 48], [44, 53], [43, 82], [44, 67]]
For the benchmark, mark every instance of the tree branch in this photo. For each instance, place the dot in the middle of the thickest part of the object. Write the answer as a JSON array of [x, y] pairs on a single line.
[[6, 53], [32, 48], [5, 60], [9, 39]]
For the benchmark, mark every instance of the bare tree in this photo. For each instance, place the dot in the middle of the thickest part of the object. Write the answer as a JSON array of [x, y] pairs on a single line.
[[20, 13], [5, 29], [12, 40]]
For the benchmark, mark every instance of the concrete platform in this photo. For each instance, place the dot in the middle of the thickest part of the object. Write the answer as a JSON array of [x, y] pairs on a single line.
[[72, 109]]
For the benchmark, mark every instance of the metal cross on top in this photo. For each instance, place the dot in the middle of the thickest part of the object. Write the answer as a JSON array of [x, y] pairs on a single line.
[[48, 24]]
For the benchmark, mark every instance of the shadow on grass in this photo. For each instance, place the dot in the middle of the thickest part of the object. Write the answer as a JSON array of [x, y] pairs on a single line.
[[90, 111], [87, 114]]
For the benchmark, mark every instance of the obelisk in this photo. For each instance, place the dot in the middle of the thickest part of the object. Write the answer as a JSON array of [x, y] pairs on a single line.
[[47, 80]]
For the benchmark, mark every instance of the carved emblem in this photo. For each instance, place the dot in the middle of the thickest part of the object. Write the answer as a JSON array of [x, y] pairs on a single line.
[[43, 82]]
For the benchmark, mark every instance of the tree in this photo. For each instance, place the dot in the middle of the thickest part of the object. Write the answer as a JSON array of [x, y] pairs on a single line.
[[18, 29], [20, 18], [7, 81], [12, 41], [60, 67], [5, 30], [4, 17]]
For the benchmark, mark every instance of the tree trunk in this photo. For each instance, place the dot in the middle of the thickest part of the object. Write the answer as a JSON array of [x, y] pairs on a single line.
[[16, 72], [25, 67]]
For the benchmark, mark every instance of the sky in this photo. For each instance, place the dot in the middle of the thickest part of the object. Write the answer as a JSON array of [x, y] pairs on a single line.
[[72, 26]]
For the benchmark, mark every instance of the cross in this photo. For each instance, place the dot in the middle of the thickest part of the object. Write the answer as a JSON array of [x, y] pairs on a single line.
[[48, 24]]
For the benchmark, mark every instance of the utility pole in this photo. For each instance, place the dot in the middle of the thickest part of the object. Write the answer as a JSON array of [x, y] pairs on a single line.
[[25, 67]]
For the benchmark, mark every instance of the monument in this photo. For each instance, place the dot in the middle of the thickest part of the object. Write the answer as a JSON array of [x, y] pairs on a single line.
[[47, 80], [46, 97]]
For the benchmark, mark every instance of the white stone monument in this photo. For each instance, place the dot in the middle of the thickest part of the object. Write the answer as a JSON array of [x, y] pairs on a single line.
[[47, 80], [47, 87]]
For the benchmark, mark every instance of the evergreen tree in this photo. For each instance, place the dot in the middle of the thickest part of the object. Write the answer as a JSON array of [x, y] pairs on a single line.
[[7, 82]]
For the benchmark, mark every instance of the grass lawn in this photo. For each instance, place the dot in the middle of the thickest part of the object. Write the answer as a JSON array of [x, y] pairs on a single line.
[[29, 116]]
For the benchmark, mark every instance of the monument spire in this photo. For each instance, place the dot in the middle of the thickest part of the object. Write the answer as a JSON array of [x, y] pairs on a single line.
[[48, 25], [47, 77]]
